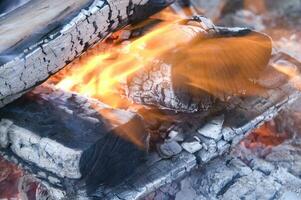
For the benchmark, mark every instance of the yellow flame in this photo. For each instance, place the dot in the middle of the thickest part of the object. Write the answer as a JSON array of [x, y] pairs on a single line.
[[100, 74], [216, 65]]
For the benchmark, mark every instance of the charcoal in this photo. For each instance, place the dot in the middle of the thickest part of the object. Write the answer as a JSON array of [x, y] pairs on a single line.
[[169, 149], [175, 136], [240, 118], [192, 146], [58, 133], [232, 177], [213, 129], [41, 37], [4, 126], [156, 172]]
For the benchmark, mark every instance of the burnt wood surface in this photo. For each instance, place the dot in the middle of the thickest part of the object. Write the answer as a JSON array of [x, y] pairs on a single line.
[[62, 135], [206, 63], [240, 117], [41, 37], [161, 171], [237, 119]]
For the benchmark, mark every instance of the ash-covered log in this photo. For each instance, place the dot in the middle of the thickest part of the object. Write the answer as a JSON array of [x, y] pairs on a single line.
[[41, 37], [200, 63], [215, 137], [67, 136], [197, 145]]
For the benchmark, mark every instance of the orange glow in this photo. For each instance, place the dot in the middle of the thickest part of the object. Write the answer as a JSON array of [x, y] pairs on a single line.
[[266, 136], [224, 65], [220, 65], [101, 74]]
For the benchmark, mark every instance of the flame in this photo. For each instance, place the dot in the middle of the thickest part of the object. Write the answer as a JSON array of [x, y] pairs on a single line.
[[218, 65], [224, 65], [291, 71], [99, 75]]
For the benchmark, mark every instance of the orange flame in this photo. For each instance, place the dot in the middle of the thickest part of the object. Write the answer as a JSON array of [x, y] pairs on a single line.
[[216, 65], [100, 75]]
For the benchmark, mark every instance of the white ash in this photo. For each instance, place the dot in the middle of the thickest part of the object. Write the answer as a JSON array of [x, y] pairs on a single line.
[[51, 156], [232, 177], [213, 129], [4, 126], [192, 147], [174, 135], [169, 149], [40, 60]]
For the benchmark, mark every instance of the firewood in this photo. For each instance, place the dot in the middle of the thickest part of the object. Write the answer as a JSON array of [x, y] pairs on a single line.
[[238, 121], [68, 136], [206, 63], [40, 37]]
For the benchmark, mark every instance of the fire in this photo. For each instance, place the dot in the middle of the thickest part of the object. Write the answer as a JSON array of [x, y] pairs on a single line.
[[100, 75], [267, 136], [223, 65]]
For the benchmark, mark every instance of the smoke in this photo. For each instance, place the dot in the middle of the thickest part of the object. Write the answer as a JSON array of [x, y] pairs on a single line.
[[7, 6]]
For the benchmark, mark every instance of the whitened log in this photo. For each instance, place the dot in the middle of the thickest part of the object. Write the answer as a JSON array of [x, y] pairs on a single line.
[[242, 116], [64, 135], [41, 37]]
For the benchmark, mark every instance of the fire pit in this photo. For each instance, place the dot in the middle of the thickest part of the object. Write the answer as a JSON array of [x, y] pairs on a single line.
[[127, 115]]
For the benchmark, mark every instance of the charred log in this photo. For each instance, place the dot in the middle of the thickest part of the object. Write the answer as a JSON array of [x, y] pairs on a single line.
[[207, 63], [57, 33], [68, 136], [209, 138], [241, 117]]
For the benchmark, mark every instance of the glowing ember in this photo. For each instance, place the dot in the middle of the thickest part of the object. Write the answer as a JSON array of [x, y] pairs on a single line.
[[9, 180], [15, 184], [264, 138]]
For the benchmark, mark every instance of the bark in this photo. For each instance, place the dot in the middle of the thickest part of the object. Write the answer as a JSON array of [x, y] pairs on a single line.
[[41, 37], [207, 62]]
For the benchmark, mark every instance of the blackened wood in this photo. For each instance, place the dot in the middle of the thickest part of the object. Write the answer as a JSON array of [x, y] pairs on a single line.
[[41, 37], [240, 118], [71, 137]]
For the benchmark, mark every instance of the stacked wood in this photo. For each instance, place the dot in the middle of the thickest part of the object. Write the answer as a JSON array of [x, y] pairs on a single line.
[[206, 63], [57, 119], [40, 37]]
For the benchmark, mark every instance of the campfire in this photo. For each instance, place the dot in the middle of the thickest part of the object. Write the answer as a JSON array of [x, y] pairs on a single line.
[[125, 99]]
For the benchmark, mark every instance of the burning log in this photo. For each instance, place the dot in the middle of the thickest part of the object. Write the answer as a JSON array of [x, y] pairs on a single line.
[[200, 62], [71, 137], [229, 129], [57, 33], [243, 115]]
